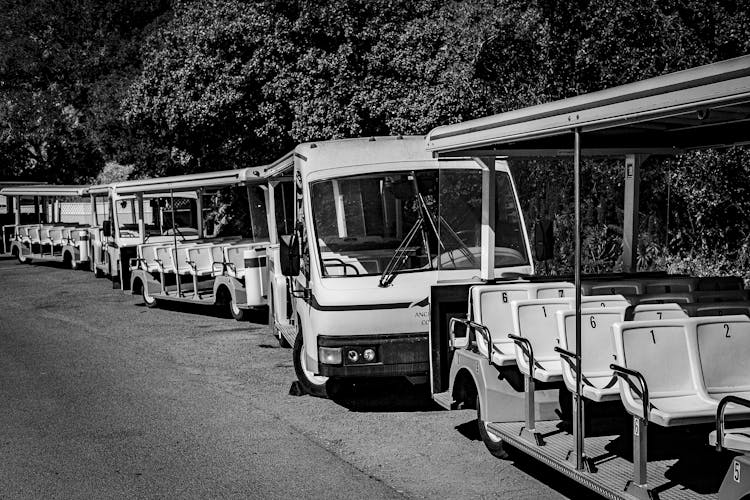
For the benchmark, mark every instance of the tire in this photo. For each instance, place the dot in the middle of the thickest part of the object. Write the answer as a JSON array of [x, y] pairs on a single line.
[[312, 384], [150, 301], [98, 272], [236, 312], [492, 442], [69, 262]]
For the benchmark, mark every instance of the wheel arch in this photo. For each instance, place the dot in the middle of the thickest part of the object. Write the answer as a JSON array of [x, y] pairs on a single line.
[[465, 389]]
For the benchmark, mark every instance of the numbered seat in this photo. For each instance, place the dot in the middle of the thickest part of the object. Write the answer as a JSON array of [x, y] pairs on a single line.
[[715, 283], [597, 351], [664, 298], [646, 312], [673, 284], [660, 351], [164, 259], [618, 287], [535, 332], [719, 295], [597, 301], [490, 307], [723, 352], [718, 308]]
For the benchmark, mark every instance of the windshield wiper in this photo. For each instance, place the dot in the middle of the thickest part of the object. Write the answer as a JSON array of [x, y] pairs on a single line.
[[399, 256]]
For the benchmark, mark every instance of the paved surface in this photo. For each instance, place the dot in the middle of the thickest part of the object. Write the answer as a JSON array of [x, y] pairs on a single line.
[[103, 397]]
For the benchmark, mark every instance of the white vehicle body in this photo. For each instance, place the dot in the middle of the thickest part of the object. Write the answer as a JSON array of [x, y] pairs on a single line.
[[659, 370], [161, 248], [48, 239], [353, 203]]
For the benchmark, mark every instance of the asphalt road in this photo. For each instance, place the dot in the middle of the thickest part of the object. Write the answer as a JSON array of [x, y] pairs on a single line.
[[101, 397]]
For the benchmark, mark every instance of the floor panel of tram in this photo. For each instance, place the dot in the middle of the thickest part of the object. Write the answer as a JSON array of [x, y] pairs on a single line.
[[205, 289], [681, 464]]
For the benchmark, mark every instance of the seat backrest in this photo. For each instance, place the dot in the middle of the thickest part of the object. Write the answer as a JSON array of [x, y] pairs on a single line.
[[723, 345], [56, 235], [536, 320], [164, 254], [201, 257], [618, 287], [597, 301], [718, 308], [670, 285], [719, 296], [490, 305], [217, 253], [712, 283], [646, 312], [34, 233], [666, 298], [659, 350], [236, 255], [597, 347]]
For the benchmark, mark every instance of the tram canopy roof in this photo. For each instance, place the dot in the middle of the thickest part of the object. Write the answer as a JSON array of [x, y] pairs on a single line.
[[189, 182], [45, 190], [707, 106]]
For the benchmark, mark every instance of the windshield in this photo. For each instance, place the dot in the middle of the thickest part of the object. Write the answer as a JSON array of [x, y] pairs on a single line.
[[411, 221], [157, 216]]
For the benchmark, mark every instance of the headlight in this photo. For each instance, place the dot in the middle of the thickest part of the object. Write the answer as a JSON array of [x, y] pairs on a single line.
[[369, 355], [353, 356], [329, 355]]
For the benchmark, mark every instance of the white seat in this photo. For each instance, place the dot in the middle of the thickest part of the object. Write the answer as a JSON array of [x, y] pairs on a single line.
[[490, 306], [670, 284], [597, 351], [723, 351], [164, 259], [200, 259], [645, 312], [618, 287], [597, 301], [536, 321], [661, 351], [234, 258]]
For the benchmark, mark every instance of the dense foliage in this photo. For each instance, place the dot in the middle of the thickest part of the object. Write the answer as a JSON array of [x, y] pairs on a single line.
[[190, 85]]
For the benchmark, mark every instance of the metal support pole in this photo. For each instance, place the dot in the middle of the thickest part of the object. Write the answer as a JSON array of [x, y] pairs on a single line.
[[630, 215], [638, 487], [529, 430], [199, 209], [140, 217], [174, 235], [17, 209], [577, 410], [37, 212], [487, 263]]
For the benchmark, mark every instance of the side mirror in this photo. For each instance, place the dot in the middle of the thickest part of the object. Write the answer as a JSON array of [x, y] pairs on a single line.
[[289, 257], [107, 228], [544, 240]]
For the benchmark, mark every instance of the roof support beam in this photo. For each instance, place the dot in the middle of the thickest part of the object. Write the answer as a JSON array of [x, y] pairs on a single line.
[[630, 217], [487, 260]]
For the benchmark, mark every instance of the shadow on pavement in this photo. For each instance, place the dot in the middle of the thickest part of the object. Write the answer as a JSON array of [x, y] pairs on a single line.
[[259, 317], [382, 395]]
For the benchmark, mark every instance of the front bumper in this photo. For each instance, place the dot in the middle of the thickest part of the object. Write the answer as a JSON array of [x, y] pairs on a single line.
[[397, 354]]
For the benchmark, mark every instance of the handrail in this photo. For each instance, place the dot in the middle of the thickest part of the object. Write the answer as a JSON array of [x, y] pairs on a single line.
[[523, 343], [483, 330], [625, 374], [725, 401]]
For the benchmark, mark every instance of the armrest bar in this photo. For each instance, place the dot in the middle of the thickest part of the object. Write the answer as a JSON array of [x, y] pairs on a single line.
[[725, 401], [525, 346], [627, 375], [483, 330]]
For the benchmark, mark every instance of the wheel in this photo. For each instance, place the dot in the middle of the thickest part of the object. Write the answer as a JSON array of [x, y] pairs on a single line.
[[149, 300], [312, 384], [68, 261], [98, 272], [492, 441], [23, 259], [236, 312]]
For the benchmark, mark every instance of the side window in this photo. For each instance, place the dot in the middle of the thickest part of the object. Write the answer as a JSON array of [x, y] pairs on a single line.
[[284, 208]]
